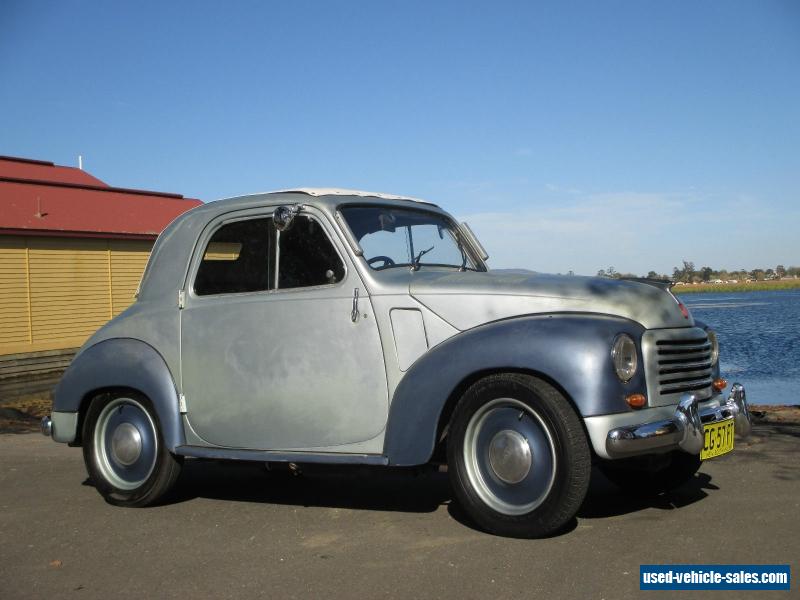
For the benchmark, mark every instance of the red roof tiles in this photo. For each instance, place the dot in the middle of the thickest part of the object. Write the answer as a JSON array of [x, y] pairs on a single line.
[[40, 198], [42, 170]]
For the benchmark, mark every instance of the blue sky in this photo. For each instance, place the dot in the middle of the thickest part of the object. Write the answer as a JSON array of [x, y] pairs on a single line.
[[571, 135]]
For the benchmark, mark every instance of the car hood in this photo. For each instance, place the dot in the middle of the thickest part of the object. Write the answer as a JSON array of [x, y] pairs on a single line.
[[468, 299]]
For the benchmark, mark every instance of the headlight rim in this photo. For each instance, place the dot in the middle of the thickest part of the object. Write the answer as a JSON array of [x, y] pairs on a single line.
[[624, 374], [714, 341]]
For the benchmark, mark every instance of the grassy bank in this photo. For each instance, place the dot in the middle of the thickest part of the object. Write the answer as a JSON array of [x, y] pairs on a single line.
[[755, 286]]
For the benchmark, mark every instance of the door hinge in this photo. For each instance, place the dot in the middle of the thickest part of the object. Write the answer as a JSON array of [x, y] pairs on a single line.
[[182, 403], [181, 298]]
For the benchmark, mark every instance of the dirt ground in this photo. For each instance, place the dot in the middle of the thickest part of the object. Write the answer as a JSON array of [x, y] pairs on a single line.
[[238, 531]]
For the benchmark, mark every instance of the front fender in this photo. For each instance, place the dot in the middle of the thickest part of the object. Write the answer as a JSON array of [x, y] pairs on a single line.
[[572, 350], [122, 363]]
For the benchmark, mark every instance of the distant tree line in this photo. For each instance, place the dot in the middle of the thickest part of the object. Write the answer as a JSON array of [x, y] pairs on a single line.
[[688, 274]]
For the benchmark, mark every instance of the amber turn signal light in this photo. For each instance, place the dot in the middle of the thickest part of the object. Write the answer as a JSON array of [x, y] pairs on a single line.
[[636, 400], [720, 384]]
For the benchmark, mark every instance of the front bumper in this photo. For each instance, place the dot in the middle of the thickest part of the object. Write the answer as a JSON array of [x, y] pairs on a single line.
[[683, 430]]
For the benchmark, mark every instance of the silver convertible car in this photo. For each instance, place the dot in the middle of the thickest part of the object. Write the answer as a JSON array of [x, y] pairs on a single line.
[[336, 326]]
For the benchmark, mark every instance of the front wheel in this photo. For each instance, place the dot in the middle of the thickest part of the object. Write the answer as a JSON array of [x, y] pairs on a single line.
[[518, 457], [124, 452]]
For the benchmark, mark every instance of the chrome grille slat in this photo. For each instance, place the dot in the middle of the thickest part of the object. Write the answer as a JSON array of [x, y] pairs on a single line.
[[688, 386], [679, 361], [688, 376], [682, 367], [684, 349], [686, 342]]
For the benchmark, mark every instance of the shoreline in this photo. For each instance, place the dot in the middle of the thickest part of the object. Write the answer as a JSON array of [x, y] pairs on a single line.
[[756, 286]]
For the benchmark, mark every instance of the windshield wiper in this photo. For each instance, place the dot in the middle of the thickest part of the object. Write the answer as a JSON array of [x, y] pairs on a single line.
[[415, 263]]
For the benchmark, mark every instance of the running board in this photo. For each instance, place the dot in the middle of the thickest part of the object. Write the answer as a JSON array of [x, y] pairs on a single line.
[[287, 457]]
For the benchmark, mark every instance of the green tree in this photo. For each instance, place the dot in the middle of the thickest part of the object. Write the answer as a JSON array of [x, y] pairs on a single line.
[[780, 271], [688, 271], [705, 273]]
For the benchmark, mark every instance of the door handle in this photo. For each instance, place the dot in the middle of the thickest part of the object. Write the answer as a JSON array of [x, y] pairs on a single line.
[[354, 312]]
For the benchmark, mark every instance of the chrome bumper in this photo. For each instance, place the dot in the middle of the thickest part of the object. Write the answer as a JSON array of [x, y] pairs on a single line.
[[61, 426], [684, 430]]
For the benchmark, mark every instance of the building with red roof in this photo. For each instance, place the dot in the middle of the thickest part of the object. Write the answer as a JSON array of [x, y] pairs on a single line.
[[72, 251]]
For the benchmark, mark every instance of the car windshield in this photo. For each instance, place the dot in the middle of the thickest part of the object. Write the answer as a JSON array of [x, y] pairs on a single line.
[[400, 237]]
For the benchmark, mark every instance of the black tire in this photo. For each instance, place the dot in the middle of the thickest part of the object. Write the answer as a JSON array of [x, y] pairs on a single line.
[[651, 475], [123, 475], [494, 422]]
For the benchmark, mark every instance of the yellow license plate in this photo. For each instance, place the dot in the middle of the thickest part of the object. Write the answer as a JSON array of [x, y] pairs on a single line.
[[718, 439]]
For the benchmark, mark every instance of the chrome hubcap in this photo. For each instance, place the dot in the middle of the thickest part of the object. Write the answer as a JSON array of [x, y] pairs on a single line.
[[510, 456], [126, 444]]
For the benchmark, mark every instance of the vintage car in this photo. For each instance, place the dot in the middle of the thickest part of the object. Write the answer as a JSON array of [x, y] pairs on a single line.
[[336, 326]]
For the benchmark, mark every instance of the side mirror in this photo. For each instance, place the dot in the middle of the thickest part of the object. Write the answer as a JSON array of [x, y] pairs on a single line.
[[283, 216]]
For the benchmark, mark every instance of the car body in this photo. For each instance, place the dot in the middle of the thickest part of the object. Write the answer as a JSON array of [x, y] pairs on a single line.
[[265, 329]]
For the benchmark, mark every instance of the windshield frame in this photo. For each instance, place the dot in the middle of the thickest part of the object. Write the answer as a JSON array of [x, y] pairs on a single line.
[[460, 238]]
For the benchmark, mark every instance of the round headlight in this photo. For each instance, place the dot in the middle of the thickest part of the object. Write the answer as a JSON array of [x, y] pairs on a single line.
[[623, 355], [712, 337]]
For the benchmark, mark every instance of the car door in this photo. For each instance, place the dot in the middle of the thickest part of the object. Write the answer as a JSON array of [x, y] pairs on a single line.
[[273, 355]]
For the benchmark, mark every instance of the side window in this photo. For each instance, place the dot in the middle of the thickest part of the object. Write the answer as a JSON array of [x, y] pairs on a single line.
[[307, 256], [237, 259]]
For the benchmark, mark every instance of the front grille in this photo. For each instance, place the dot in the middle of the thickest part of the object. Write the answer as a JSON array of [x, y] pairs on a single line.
[[677, 361]]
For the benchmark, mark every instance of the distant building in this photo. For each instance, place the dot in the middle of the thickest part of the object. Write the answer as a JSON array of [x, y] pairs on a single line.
[[72, 251]]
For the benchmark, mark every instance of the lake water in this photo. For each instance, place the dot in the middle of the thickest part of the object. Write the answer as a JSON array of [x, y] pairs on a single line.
[[759, 336]]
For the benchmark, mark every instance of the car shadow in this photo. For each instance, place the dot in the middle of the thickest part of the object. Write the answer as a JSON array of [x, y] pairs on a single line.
[[415, 490], [604, 499], [358, 487], [607, 500]]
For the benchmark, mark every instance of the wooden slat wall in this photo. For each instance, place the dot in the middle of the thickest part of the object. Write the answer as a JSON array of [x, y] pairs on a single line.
[[128, 260], [69, 288], [14, 323], [56, 292]]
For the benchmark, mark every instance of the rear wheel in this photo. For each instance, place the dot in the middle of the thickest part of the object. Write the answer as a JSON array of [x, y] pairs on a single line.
[[124, 451], [518, 458]]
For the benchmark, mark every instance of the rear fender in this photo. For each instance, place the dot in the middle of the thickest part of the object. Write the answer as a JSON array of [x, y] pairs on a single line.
[[121, 363]]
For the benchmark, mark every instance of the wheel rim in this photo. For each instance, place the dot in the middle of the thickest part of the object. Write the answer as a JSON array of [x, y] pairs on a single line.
[[125, 443], [509, 456]]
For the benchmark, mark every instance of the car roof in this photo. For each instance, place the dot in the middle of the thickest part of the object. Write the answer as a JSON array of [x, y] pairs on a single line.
[[319, 192]]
